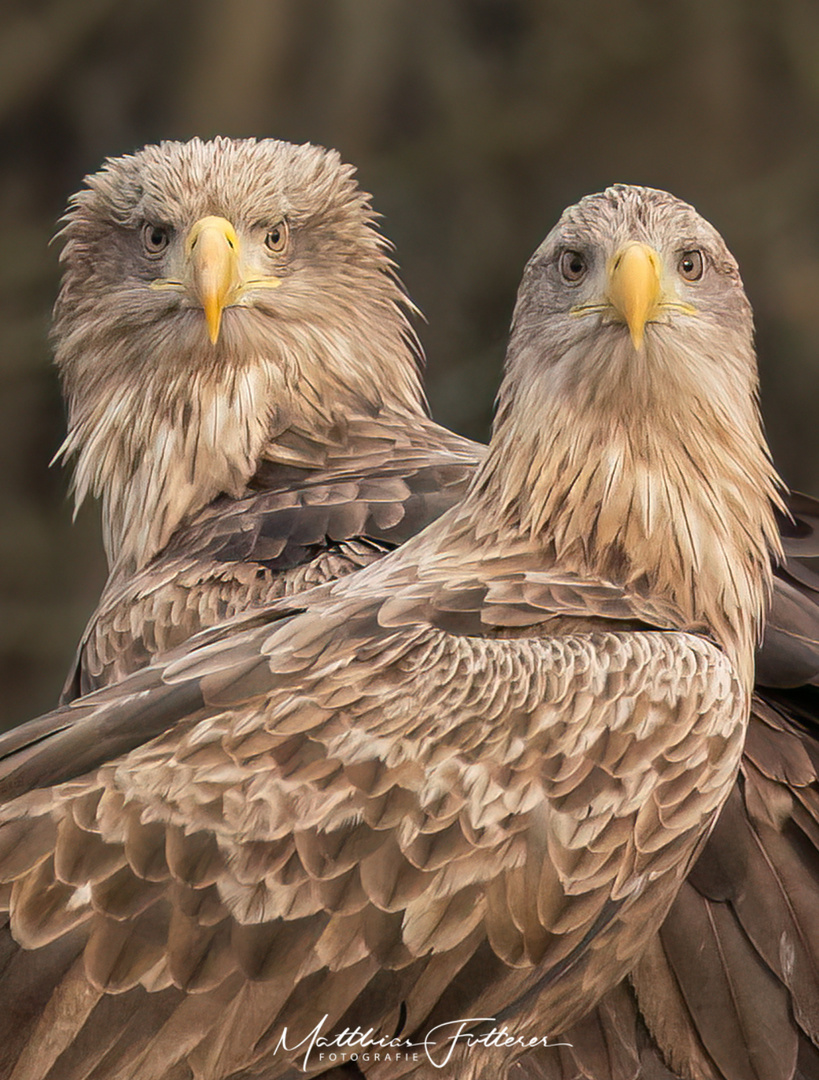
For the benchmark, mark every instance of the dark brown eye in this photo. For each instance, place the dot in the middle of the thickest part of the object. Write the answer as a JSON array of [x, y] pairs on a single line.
[[155, 238], [276, 239], [690, 265], [573, 266]]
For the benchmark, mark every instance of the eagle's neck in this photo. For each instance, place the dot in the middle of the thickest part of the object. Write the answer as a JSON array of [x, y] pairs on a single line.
[[155, 453], [158, 449], [672, 504]]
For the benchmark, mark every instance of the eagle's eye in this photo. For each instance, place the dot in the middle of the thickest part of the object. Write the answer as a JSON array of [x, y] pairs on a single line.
[[155, 238], [573, 266], [276, 239], [690, 265]]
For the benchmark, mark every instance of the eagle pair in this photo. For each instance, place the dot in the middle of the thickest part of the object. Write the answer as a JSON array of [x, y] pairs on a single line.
[[509, 783]]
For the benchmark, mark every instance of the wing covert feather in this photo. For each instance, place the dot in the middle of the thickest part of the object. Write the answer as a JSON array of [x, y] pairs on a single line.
[[426, 825], [294, 529], [750, 904]]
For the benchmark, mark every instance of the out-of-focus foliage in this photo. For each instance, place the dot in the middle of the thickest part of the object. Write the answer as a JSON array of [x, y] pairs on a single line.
[[473, 122]]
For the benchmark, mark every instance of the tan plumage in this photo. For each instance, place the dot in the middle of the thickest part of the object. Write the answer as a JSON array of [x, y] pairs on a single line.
[[729, 988], [410, 855], [295, 447], [466, 781]]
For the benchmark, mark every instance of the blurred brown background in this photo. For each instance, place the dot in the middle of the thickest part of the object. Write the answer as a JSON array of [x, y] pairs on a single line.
[[473, 122]]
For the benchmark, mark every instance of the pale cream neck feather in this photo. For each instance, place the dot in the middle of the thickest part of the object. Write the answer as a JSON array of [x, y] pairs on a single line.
[[156, 453], [675, 503]]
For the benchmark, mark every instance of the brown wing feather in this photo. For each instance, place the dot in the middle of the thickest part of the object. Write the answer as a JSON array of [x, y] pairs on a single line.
[[789, 656], [183, 869], [744, 1001], [295, 528]]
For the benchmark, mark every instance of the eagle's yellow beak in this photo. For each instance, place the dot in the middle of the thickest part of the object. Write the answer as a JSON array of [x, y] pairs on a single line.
[[212, 249], [634, 289]]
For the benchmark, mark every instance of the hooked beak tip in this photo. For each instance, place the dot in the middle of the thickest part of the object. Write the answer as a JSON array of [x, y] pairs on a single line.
[[213, 318]]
